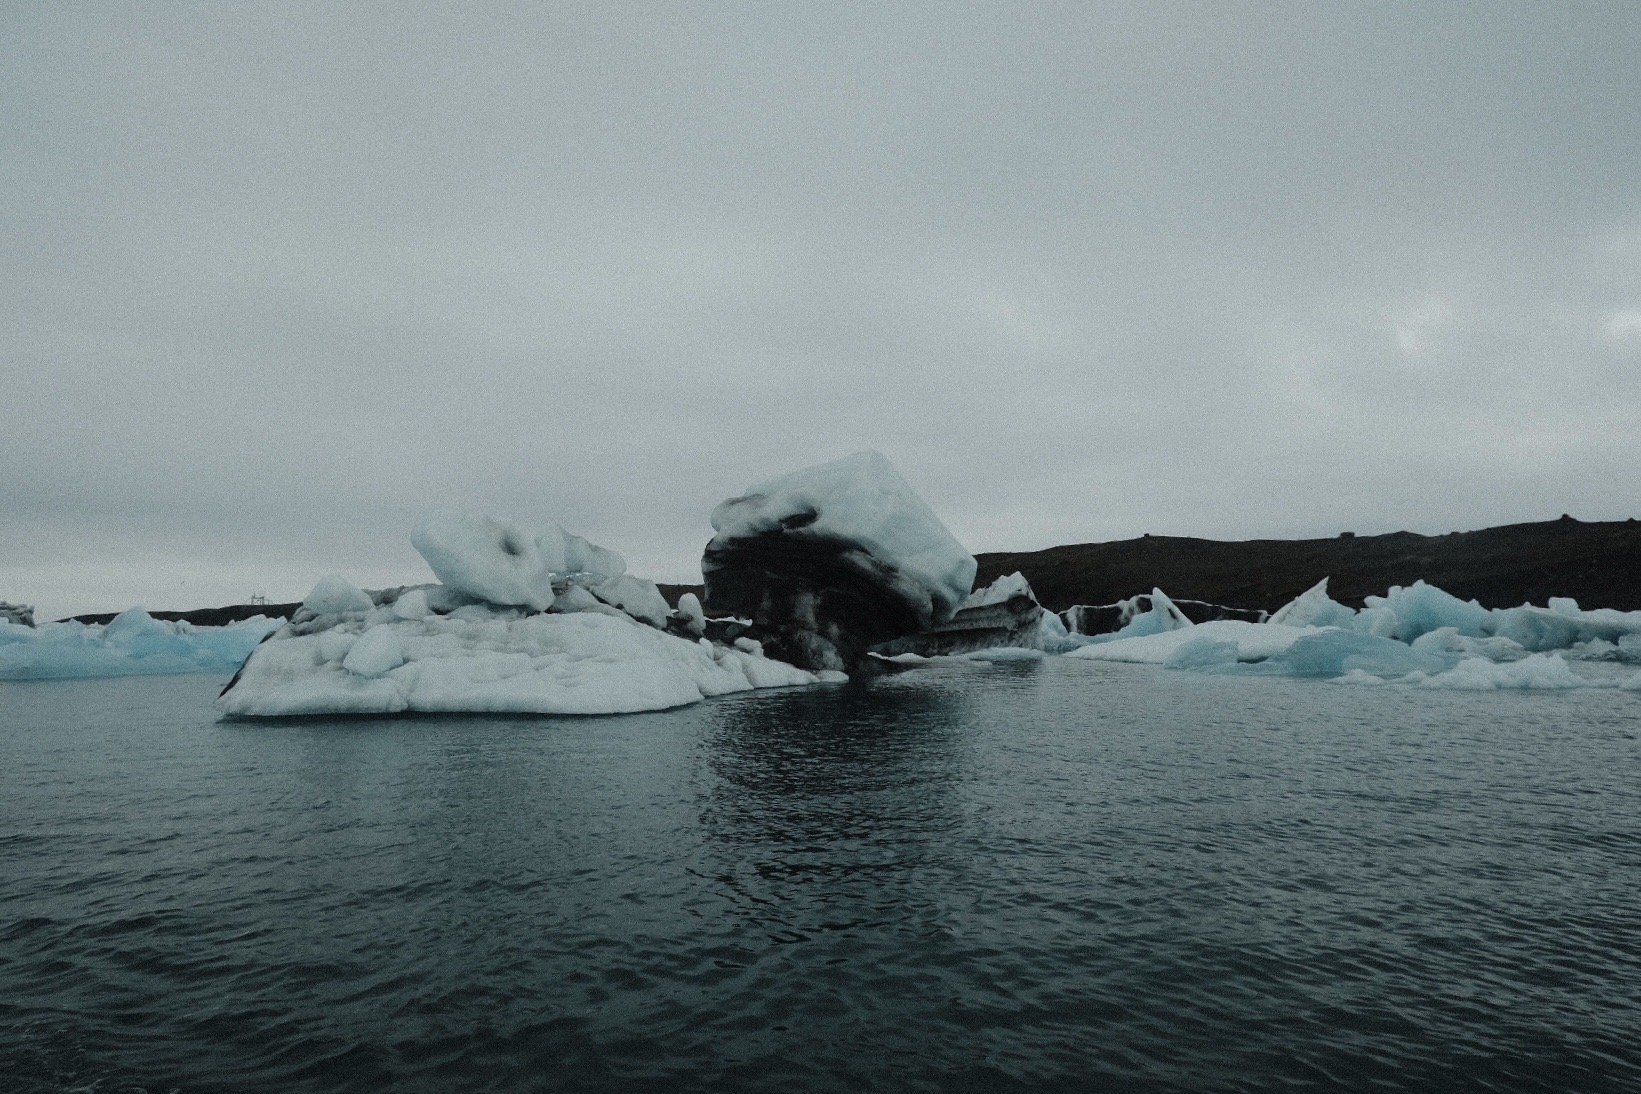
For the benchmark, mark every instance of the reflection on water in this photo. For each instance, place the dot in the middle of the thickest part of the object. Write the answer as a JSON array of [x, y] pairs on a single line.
[[1010, 877]]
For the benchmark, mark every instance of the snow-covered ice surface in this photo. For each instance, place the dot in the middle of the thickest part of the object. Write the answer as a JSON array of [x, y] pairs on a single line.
[[861, 502], [492, 660], [134, 643]]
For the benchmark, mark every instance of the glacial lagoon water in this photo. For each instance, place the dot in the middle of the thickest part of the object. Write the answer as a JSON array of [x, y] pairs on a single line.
[[1054, 876]]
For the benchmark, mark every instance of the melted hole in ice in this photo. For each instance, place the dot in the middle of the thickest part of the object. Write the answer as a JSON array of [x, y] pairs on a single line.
[[802, 519], [510, 545]]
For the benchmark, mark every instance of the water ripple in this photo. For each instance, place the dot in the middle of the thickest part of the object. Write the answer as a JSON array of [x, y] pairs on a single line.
[[1054, 876]]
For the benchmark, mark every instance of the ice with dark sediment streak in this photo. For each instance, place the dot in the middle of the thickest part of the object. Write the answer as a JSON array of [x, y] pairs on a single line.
[[831, 560]]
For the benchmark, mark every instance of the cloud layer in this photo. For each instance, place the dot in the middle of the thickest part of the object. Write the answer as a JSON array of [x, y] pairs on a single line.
[[283, 277]]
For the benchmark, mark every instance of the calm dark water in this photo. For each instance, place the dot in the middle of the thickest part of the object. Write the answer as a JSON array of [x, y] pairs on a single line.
[[1061, 876]]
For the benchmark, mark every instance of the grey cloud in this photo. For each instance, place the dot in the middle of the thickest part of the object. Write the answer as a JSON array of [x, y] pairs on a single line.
[[285, 276]]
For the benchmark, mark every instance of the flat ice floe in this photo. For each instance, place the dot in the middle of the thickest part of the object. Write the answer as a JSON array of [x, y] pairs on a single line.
[[134, 643]]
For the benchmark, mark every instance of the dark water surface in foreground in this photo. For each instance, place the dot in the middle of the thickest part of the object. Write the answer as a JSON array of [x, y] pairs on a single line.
[[1020, 877]]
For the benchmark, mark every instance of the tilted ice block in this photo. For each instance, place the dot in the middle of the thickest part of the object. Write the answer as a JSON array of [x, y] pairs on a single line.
[[833, 559], [1000, 591], [487, 559], [1314, 608], [334, 594], [1004, 614], [637, 597]]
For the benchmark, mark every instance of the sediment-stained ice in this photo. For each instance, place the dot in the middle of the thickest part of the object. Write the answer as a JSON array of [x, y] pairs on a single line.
[[861, 505], [833, 561]]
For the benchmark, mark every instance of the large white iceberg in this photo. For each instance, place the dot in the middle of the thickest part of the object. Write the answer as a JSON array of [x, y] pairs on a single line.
[[134, 643], [483, 658], [537, 624]]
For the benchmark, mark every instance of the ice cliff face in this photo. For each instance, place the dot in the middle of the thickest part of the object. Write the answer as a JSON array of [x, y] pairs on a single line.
[[832, 560]]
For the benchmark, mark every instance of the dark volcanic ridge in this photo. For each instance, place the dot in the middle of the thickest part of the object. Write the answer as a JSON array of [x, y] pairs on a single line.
[[1596, 563]]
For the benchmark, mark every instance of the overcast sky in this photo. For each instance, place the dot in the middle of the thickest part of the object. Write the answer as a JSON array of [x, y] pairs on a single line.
[[278, 279]]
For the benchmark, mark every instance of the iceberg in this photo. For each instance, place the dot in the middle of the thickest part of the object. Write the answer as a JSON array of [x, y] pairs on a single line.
[[830, 561], [491, 659], [134, 643], [546, 624]]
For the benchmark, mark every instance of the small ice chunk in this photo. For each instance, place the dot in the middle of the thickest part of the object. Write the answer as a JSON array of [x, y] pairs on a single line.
[[1164, 616], [690, 611], [573, 598], [1004, 654], [1420, 608], [412, 605], [334, 594], [334, 645], [375, 652], [1539, 672], [599, 563], [636, 596], [1001, 591]]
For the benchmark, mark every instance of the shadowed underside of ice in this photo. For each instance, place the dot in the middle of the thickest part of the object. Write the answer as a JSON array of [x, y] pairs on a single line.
[[134, 643]]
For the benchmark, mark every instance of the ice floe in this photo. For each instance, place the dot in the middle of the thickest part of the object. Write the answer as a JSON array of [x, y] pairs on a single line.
[[134, 643]]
